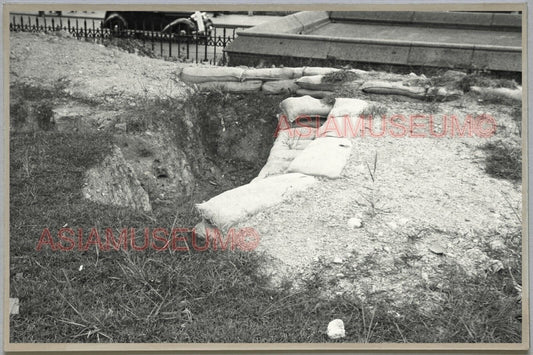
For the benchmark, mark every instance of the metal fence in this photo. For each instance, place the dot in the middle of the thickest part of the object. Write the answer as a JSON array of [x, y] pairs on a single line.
[[147, 36]]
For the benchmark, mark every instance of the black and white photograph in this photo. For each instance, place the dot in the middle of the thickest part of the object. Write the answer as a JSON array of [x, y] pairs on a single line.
[[329, 177]]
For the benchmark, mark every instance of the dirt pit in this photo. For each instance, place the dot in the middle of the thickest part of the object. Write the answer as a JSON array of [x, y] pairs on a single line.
[[176, 149]]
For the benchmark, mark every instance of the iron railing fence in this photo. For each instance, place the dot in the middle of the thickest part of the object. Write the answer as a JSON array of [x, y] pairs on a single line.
[[176, 46]]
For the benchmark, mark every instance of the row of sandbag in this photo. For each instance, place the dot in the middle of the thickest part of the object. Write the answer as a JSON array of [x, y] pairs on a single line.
[[299, 81], [298, 156]]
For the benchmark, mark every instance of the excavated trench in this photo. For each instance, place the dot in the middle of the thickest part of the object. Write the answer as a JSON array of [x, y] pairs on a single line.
[[165, 153]]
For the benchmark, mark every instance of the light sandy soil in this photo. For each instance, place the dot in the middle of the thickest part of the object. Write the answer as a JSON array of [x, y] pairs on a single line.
[[89, 70], [428, 193]]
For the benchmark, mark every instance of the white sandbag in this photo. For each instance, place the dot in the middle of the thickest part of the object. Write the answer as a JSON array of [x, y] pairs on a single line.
[[235, 205], [288, 144], [393, 88], [314, 82], [207, 74], [294, 107], [323, 157], [231, 86], [280, 86], [344, 119], [347, 106], [267, 74], [318, 71], [513, 94], [319, 94]]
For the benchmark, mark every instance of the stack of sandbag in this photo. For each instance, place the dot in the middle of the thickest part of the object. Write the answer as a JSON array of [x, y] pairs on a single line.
[[287, 146], [201, 74], [228, 79], [513, 94], [314, 86], [300, 107], [393, 88], [344, 119], [324, 156], [280, 87], [234, 87], [309, 71], [270, 74], [234, 205]]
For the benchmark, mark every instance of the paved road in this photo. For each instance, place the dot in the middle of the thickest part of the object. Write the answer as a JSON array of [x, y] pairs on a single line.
[[222, 19]]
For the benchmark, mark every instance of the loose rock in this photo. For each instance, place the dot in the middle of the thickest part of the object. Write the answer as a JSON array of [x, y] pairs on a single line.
[[336, 329]]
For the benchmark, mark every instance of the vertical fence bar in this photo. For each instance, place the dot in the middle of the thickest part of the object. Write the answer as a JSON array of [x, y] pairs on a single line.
[[187, 42], [85, 28], [179, 45], [206, 43], [21, 23], [53, 24], [144, 32], [224, 46], [215, 46], [161, 40], [196, 48], [170, 45], [152, 36], [77, 29]]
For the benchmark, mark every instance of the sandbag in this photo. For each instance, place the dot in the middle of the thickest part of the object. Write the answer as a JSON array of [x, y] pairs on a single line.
[[294, 107], [344, 119], [235, 205], [280, 86], [513, 94], [208, 74], [319, 94], [231, 86], [267, 74], [314, 82], [288, 144], [347, 106], [323, 157], [308, 71], [393, 88]]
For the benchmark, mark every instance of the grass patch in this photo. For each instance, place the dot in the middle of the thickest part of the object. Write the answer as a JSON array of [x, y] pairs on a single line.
[[374, 111], [504, 158], [203, 297], [339, 77]]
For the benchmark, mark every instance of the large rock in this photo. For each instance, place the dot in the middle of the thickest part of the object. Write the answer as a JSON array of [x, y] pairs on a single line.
[[114, 183]]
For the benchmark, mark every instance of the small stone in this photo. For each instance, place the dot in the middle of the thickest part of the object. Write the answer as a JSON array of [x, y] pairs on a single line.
[[336, 329], [436, 248], [14, 306], [340, 275], [495, 266], [355, 222], [337, 260], [497, 244]]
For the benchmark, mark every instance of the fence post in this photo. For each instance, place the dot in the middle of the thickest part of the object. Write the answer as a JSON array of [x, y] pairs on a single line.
[[152, 36], [170, 45], [215, 47]]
